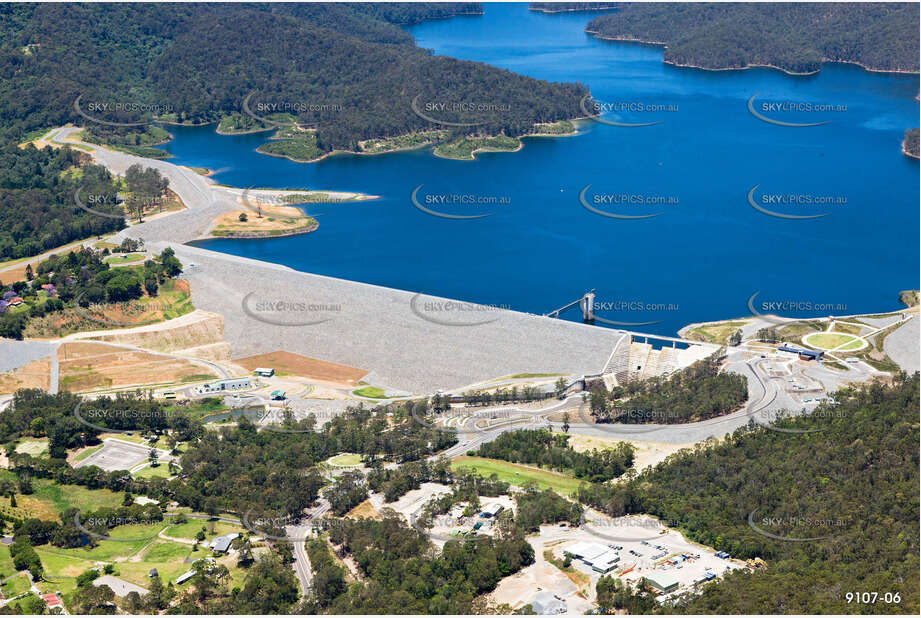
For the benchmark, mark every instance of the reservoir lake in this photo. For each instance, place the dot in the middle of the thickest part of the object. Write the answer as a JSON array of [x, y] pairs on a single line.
[[709, 169]]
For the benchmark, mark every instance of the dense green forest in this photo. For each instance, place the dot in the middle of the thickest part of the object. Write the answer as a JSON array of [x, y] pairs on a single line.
[[347, 69], [796, 37], [37, 207], [696, 393], [854, 482], [911, 143], [401, 574], [547, 449], [395, 482], [536, 507]]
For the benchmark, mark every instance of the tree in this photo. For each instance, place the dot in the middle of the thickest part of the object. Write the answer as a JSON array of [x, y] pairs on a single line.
[[29, 274], [565, 422], [736, 338], [242, 217], [560, 387], [153, 455]]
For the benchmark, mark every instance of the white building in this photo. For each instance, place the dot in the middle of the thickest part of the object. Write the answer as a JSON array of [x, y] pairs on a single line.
[[605, 562], [594, 555], [491, 510], [585, 551], [229, 384]]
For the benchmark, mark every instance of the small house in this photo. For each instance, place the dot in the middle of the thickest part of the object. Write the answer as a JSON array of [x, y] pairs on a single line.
[[221, 544]]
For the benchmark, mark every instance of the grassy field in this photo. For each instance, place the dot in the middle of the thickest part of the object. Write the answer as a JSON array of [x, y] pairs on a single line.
[[124, 259], [124, 542], [49, 499], [16, 585], [6, 563], [517, 474], [200, 408], [345, 459], [149, 472], [133, 564], [189, 529], [829, 341], [370, 391]]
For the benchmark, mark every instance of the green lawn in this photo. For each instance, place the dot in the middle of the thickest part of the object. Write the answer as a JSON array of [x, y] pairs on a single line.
[[6, 563], [149, 472], [829, 341], [345, 459], [517, 474], [49, 499], [189, 529], [124, 543], [17, 585], [124, 259], [200, 408], [370, 391]]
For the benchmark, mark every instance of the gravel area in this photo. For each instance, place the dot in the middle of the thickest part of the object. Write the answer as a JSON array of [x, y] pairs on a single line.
[[116, 455], [902, 346], [14, 354], [411, 343], [879, 322]]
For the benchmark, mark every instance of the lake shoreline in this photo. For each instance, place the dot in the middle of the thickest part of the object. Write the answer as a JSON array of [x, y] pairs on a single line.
[[664, 44]]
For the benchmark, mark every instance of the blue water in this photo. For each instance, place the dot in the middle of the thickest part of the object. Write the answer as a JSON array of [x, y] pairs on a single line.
[[702, 259]]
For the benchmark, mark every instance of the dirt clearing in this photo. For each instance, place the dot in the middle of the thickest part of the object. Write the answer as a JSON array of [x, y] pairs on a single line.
[[87, 366], [289, 364], [647, 453], [35, 374]]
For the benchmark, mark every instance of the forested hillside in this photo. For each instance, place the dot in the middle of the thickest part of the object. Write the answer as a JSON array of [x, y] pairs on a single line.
[[400, 574], [37, 208], [348, 70], [796, 37], [695, 393], [910, 143], [852, 485]]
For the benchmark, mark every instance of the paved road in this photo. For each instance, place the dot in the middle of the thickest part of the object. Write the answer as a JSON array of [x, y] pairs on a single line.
[[767, 396]]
